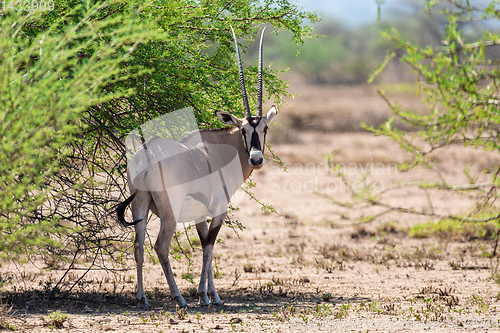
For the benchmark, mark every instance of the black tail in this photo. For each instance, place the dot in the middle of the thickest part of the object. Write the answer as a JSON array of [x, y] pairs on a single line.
[[120, 211]]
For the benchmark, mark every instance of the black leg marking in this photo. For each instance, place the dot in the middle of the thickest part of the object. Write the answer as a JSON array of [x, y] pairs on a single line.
[[212, 234], [203, 240]]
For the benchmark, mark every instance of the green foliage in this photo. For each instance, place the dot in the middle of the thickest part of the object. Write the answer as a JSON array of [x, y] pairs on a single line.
[[46, 86], [192, 62], [459, 81], [66, 103], [460, 86], [340, 55], [349, 54], [55, 320], [455, 230]]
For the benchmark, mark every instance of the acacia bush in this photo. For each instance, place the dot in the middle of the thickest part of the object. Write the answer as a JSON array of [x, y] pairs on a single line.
[[46, 86], [119, 65]]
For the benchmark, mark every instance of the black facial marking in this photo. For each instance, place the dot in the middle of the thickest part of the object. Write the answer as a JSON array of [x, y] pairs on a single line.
[[244, 133], [254, 121], [264, 142], [254, 141]]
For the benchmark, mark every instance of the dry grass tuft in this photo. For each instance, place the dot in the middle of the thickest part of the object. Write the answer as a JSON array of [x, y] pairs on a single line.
[[6, 317]]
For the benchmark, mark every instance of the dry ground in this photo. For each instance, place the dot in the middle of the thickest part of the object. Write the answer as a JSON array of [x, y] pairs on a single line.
[[314, 268]]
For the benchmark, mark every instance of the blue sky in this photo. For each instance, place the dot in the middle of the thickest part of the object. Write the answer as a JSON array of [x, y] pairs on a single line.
[[351, 12], [356, 12]]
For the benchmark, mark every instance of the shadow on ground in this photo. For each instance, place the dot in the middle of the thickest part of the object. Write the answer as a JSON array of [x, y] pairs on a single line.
[[239, 300]]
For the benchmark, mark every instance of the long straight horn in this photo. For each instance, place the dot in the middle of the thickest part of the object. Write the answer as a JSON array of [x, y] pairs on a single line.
[[259, 96], [248, 114]]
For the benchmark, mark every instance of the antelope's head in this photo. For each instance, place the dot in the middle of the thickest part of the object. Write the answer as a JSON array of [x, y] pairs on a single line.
[[253, 128]]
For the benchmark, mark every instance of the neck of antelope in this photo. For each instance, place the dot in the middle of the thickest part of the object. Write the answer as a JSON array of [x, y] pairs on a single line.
[[236, 139], [233, 137]]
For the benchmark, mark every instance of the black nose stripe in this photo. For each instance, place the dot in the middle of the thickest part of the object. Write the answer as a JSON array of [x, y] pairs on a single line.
[[255, 142]]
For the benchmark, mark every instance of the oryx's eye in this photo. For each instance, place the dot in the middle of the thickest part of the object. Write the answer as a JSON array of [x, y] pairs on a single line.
[[265, 130], [244, 132]]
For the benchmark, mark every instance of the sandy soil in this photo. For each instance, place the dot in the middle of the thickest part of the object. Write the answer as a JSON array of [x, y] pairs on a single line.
[[314, 268]]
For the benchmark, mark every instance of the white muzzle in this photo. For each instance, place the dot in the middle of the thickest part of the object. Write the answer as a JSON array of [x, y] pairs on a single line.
[[256, 159]]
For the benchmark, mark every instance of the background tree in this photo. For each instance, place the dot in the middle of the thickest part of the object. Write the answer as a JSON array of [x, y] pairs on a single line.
[[458, 80], [347, 54]]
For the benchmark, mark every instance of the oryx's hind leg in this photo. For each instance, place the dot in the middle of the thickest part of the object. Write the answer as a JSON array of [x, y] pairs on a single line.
[[207, 238], [140, 210], [167, 230]]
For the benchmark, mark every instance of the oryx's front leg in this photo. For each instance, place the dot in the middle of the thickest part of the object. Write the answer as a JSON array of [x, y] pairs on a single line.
[[140, 209], [207, 238]]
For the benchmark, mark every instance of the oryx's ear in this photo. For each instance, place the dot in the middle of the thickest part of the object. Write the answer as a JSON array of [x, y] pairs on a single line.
[[273, 111], [228, 118]]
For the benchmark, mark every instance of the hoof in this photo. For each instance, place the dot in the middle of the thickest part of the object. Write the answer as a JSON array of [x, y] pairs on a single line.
[[214, 299], [143, 304], [181, 302], [204, 300]]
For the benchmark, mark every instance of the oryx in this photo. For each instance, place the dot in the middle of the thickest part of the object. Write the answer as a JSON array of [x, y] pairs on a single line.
[[247, 138]]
